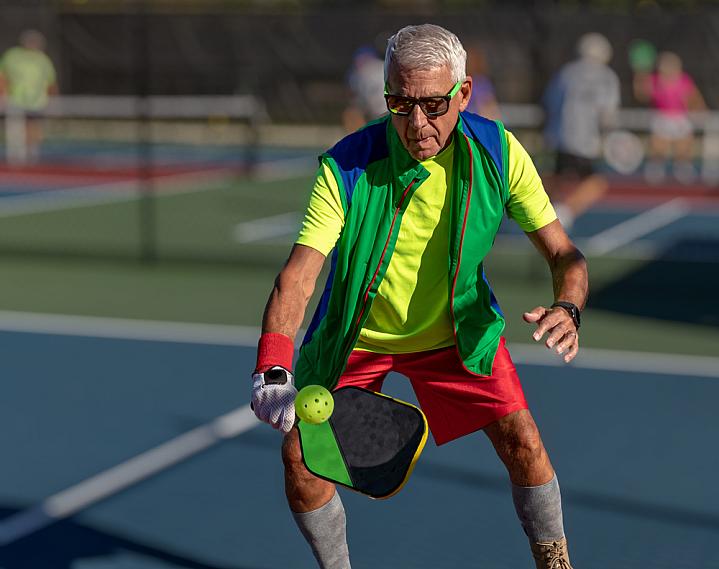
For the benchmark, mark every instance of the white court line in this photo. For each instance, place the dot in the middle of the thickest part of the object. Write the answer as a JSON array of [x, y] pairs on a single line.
[[247, 336], [615, 237], [620, 360], [266, 228], [129, 329], [114, 192], [108, 483]]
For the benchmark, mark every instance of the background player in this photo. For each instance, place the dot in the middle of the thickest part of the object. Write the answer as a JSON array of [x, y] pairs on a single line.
[[672, 93], [27, 79], [580, 99]]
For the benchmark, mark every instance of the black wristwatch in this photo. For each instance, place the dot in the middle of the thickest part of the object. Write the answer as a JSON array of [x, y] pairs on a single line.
[[573, 310], [278, 375]]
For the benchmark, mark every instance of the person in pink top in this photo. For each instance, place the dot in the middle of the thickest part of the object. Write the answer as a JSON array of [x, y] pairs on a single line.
[[672, 94]]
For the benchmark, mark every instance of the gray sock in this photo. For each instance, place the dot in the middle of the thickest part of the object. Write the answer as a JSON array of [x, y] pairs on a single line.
[[540, 510], [325, 531]]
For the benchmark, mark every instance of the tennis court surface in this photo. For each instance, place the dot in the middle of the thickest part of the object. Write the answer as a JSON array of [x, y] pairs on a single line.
[[128, 444], [633, 450]]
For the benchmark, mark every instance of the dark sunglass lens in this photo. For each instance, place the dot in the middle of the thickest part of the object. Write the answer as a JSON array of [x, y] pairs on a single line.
[[399, 105], [435, 106]]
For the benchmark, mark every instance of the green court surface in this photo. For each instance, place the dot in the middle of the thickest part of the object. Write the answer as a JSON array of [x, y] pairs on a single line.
[[198, 222], [235, 294], [220, 244]]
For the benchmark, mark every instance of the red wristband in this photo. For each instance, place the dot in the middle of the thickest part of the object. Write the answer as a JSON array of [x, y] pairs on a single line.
[[274, 350]]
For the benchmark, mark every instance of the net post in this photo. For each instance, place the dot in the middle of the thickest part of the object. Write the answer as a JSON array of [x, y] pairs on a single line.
[[146, 186], [15, 136]]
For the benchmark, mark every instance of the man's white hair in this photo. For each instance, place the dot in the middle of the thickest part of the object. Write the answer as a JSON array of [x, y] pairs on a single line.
[[426, 46]]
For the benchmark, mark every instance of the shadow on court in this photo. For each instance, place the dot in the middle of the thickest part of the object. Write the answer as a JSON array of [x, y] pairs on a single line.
[[63, 544], [680, 286], [625, 507]]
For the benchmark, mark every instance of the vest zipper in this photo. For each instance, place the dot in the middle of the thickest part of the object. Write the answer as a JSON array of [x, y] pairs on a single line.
[[365, 296], [459, 251]]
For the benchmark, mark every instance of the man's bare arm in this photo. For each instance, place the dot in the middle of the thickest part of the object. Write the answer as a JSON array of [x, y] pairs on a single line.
[[566, 263], [571, 284], [293, 289], [273, 390]]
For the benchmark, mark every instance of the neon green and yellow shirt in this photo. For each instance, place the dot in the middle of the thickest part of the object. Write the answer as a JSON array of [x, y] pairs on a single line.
[[29, 74], [411, 310]]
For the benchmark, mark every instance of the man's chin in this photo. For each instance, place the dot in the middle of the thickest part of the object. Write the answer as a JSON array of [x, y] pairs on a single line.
[[420, 154]]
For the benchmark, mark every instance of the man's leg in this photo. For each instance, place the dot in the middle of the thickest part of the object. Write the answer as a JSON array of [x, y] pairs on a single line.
[[315, 503], [316, 508], [535, 489]]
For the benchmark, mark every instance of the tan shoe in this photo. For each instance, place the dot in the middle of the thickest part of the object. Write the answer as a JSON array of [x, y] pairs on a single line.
[[551, 554]]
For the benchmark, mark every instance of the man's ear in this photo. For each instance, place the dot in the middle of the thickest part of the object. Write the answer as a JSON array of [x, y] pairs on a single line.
[[465, 91]]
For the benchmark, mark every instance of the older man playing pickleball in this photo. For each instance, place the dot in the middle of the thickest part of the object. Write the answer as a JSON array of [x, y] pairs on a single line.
[[409, 207]]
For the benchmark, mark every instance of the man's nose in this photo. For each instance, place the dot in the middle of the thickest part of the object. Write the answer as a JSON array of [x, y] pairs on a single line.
[[417, 119]]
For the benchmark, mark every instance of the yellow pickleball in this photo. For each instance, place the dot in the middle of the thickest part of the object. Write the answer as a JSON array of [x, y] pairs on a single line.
[[314, 404]]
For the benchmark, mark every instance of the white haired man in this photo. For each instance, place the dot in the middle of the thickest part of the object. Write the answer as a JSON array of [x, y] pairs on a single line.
[[410, 204]]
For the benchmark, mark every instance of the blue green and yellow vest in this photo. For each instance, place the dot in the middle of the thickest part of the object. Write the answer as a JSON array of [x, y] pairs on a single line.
[[377, 178]]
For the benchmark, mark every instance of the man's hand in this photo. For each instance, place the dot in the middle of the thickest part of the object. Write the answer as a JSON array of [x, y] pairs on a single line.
[[558, 324], [273, 398]]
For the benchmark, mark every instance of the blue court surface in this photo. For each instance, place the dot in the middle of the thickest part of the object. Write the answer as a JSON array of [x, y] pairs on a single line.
[[635, 453]]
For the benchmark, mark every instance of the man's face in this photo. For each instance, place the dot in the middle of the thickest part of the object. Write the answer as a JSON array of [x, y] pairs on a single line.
[[423, 136]]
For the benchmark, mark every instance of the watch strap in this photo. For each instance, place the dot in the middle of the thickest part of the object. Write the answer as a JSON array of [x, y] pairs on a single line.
[[572, 309]]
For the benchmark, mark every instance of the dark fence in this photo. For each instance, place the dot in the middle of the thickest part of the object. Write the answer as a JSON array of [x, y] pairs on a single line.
[[296, 58]]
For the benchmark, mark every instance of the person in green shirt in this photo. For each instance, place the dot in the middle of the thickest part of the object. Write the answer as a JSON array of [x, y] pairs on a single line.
[[27, 80]]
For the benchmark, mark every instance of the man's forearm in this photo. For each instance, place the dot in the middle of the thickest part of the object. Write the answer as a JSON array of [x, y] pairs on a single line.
[[282, 319], [570, 278], [286, 307], [291, 294]]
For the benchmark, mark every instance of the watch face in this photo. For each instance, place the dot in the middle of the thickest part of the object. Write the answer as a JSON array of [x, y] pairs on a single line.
[[276, 375]]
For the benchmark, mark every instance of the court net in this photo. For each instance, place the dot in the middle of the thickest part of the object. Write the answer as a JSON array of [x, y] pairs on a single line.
[[133, 126], [155, 177]]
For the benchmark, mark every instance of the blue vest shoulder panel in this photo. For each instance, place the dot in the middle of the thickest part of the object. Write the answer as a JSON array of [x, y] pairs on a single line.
[[356, 151], [486, 133]]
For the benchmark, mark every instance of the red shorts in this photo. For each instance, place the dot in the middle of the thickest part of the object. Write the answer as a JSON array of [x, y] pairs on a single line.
[[455, 401]]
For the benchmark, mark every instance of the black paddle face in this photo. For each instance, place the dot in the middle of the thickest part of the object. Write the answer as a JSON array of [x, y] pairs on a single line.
[[377, 438]]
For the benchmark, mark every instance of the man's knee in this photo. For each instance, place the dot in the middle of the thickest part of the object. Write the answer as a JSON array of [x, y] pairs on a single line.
[[305, 492], [516, 438], [528, 441]]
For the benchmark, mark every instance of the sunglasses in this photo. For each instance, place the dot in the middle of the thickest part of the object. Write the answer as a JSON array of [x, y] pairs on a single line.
[[431, 106]]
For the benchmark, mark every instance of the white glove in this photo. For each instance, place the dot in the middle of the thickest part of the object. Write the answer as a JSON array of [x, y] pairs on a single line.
[[273, 398]]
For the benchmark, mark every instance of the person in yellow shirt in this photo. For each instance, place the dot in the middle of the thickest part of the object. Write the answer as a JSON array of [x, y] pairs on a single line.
[[393, 326], [27, 80], [406, 209]]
